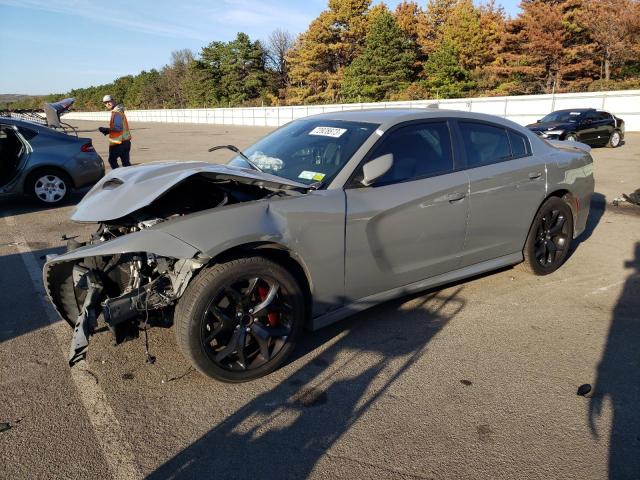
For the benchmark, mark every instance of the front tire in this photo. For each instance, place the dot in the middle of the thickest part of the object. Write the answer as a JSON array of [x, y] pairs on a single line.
[[549, 239], [240, 320]]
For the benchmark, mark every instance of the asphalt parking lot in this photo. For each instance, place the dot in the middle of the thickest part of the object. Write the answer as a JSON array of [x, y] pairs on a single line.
[[475, 380]]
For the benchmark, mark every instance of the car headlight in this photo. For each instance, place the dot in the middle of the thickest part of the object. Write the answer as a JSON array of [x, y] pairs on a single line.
[[554, 132]]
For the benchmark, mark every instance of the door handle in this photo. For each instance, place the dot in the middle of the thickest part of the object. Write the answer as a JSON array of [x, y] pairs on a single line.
[[534, 175], [456, 196]]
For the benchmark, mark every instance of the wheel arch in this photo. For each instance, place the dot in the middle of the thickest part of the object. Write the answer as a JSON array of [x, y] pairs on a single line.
[[563, 194], [41, 168], [280, 254]]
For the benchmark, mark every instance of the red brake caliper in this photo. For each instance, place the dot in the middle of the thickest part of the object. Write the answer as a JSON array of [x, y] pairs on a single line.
[[272, 317]]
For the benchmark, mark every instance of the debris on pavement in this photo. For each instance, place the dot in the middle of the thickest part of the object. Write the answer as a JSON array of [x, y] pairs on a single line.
[[584, 390]]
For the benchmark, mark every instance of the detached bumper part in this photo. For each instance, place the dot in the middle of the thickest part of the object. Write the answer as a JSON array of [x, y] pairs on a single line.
[[87, 320]]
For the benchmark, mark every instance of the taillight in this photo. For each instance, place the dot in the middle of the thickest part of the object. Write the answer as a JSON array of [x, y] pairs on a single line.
[[87, 147]]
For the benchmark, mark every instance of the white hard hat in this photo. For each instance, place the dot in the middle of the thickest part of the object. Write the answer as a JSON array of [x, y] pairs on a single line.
[[107, 98]]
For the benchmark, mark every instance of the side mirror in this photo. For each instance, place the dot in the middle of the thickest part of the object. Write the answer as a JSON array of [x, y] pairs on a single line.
[[376, 168]]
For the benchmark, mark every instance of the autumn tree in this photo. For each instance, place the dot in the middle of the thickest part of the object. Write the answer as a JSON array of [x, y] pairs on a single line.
[[385, 65], [614, 26], [541, 47], [430, 23], [320, 55]]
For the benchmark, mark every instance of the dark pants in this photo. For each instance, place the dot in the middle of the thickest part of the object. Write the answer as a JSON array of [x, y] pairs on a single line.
[[120, 151]]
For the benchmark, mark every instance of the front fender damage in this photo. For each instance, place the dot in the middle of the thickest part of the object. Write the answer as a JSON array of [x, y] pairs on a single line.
[[121, 281]]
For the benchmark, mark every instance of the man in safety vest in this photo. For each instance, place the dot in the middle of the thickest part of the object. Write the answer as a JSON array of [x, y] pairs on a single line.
[[118, 132]]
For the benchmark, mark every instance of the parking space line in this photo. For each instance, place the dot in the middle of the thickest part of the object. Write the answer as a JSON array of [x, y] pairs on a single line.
[[110, 438]]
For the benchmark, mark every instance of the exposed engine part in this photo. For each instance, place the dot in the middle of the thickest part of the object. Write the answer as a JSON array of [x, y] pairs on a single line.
[[87, 320]]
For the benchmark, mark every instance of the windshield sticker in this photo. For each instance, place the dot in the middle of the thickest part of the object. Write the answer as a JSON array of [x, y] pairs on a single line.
[[328, 131], [574, 113], [379, 132], [307, 175]]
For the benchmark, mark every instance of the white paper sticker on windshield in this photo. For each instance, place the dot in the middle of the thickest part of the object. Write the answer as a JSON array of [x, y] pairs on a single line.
[[307, 175], [328, 131], [574, 113]]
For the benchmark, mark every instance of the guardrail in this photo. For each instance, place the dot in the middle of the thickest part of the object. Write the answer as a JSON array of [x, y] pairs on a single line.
[[521, 109]]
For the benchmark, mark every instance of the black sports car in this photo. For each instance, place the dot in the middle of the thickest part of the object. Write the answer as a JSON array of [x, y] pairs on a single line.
[[586, 125]]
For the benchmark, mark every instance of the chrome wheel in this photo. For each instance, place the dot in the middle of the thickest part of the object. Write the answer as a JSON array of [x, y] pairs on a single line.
[[614, 141], [50, 188], [571, 138]]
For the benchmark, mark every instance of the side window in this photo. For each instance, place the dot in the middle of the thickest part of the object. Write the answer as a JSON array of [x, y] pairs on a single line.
[[419, 151], [593, 116], [604, 116], [519, 144], [484, 144], [27, 133]]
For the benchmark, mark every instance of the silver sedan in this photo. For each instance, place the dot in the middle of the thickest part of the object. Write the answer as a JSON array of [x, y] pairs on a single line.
[[326, 216]]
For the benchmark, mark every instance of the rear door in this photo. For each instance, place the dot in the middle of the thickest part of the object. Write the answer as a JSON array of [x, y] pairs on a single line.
[[606, 125], [507, 185], [410, 225]]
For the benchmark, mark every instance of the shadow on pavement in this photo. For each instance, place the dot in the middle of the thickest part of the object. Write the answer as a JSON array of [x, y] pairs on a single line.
[[618, 379], [284, 432], [20, 313], [20, 204]]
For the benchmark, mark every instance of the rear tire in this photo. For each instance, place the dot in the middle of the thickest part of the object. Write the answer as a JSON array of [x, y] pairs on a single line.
[[615, 139], [571, 138], [48, 186], [549, 239], [218, 330]]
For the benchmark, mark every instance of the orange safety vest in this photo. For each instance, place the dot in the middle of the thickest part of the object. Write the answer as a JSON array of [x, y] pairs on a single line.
[[116, 138]]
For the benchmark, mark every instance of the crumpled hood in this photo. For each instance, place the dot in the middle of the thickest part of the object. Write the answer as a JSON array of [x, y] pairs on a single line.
[[125, 190]]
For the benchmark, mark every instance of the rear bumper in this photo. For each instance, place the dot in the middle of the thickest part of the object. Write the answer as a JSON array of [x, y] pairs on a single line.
[[86, 170]]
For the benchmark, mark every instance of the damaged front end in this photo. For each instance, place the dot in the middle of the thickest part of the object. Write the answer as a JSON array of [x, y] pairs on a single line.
[[123, 287], [131, 270]]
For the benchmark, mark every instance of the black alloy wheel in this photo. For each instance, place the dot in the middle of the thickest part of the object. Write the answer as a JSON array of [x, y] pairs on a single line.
[[239, 320], [550, 237]]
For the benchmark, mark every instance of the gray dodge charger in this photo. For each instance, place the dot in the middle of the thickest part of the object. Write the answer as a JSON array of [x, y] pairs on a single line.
[[324, 217]]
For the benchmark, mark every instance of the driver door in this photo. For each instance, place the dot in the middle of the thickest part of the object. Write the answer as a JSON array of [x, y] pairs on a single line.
[[410, 224]]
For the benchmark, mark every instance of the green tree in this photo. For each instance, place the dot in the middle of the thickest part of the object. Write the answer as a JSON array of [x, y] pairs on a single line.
[[238, 69], [445, 76], [320, 55], [385, 65]]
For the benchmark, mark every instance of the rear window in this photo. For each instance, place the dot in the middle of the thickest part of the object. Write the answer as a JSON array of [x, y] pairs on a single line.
[[519, 144], [484, 144]]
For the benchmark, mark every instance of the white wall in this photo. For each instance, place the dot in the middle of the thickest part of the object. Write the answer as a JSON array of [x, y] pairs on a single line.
[[521, 109]]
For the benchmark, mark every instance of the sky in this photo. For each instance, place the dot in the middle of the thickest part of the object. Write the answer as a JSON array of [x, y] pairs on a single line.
[[51, 46]]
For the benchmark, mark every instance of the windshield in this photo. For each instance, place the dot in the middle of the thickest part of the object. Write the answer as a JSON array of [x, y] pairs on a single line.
[[562, 116], [307, 151]]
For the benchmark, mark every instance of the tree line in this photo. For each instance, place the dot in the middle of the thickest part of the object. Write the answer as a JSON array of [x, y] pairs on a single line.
[[356, 52]]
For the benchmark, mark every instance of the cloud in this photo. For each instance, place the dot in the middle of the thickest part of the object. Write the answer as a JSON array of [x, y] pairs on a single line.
[[255, 13], [131, 15]]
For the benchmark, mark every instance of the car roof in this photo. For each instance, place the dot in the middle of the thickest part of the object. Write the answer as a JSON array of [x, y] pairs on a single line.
[[22, 123], [581, 110], [387, 117]]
